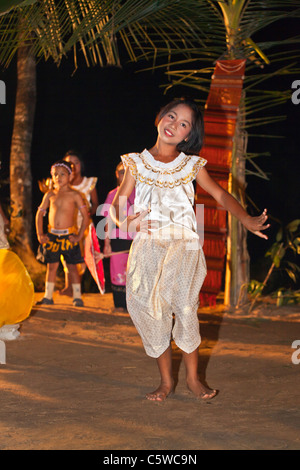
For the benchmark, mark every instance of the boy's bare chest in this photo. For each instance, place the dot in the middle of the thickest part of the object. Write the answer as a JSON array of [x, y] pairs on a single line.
[[61, 201]]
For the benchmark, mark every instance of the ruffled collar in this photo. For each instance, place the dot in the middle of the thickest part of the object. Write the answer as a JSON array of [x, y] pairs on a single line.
[[157, 164]]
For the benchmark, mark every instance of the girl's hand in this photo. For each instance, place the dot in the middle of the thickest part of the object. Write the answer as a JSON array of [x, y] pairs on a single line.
[[135, 223], [256, 224]]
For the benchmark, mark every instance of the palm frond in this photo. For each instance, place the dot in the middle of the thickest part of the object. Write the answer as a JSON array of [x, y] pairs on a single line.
[[7, 5], [183, 37], [55, 27], [255, 170]]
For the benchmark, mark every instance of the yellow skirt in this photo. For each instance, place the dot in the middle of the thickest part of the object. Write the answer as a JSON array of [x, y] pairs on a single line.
[[164, 277], [16, 289]]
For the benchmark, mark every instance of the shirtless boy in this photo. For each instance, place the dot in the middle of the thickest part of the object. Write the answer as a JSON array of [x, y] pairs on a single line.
[[62, 237]]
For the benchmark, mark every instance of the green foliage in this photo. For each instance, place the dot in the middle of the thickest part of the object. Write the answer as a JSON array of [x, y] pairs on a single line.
[[287, 240], [53, 28], [255, 288], [286, 297], [7, 5]]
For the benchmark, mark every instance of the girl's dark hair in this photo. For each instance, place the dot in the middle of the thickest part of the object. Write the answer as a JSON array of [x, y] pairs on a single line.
[[195, 138], [73, 153]]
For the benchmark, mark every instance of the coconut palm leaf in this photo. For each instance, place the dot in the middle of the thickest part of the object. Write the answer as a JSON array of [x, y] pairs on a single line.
[[53, 28], [7, 5], [266, 60]]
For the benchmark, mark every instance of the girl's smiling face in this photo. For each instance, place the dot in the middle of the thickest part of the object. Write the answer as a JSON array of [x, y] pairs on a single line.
[[176, 125]]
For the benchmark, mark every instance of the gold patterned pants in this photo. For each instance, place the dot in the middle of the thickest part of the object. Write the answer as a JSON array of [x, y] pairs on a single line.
[[164, 278]]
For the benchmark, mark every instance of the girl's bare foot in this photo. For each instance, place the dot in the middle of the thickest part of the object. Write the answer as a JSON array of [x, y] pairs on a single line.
[[161, 393], [200, 391]]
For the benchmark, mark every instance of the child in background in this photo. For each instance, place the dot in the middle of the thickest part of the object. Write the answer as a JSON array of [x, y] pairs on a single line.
[[63, 236], [87, 187], [113, 243]]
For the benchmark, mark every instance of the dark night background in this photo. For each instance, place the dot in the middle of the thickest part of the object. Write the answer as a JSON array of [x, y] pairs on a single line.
[[103, 113]]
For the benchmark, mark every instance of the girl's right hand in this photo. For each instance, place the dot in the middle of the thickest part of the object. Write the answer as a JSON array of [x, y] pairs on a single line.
[[256, 224], [135, 223]]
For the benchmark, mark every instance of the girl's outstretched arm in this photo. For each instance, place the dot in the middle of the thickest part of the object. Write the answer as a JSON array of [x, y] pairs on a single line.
[[253, 224]]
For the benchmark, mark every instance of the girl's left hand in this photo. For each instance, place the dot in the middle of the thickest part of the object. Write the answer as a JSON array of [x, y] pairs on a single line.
[[131, 223], [256, 224]]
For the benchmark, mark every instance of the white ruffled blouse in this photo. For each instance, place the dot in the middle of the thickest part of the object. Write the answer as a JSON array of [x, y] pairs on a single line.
[[166, 188]]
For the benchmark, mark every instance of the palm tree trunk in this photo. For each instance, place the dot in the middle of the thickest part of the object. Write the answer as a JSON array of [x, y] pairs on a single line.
[[20, 171], [238, 260]]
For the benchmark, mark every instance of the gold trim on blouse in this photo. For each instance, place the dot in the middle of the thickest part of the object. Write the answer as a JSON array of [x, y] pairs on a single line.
[[165, 177]]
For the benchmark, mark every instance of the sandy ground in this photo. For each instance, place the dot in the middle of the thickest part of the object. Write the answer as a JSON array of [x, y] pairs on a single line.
[[76, 379]]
